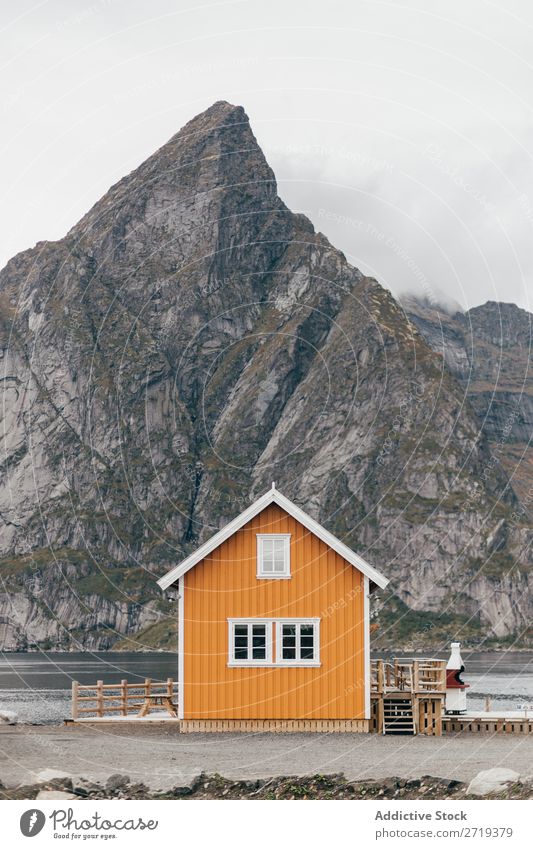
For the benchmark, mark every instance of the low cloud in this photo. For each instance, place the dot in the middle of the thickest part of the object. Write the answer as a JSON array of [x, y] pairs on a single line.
[[438, 224]]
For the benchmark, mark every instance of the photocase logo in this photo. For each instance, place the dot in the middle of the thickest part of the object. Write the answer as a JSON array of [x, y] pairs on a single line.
[[32, 822]]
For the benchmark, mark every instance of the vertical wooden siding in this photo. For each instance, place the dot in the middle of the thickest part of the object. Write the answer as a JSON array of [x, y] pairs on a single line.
[[224, 585]]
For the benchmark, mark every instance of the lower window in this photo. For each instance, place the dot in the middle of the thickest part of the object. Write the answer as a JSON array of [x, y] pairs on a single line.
[[297, 642], [274, 642], [249, 643]]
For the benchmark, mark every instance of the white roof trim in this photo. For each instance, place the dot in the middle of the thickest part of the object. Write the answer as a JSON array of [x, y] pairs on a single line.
[[270, 497]]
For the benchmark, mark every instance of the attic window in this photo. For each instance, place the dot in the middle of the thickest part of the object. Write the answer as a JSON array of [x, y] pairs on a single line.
[[273, 555]]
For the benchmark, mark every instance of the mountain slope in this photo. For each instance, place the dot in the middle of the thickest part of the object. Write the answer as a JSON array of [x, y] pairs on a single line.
[[188, 342], [488, 349]]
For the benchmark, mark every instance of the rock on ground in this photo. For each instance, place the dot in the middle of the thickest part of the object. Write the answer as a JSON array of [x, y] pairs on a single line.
[[54, 794], [492, 781], [8, 717], [50, 774]]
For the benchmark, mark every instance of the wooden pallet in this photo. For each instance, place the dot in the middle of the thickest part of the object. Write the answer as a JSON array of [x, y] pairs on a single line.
[[426, 713], [482, 725], [430, 716]]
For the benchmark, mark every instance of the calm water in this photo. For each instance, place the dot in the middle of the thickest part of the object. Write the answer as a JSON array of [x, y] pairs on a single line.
[[36, 686]]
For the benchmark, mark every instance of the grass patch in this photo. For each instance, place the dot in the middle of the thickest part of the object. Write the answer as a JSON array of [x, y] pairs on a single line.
[[123, 584], [404, 629], [160, 635]]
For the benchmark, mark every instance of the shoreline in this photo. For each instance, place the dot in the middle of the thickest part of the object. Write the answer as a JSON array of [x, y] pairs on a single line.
[[377, 652]]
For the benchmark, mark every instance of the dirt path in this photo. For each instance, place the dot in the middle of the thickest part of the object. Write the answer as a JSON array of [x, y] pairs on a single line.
[[161, 758]]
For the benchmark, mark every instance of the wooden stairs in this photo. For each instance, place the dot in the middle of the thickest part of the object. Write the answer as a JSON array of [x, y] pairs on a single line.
[[407, 696], [398, 715]]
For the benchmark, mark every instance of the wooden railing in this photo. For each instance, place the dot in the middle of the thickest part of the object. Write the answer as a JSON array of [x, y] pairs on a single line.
[[123, 699], [423, 675]]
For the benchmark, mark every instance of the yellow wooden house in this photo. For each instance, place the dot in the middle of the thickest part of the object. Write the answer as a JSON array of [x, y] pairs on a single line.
[[273, 625]]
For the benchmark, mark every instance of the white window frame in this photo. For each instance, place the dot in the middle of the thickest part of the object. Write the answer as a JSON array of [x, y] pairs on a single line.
[[316, 642], [233, 661], [286, 553], [271, 624]]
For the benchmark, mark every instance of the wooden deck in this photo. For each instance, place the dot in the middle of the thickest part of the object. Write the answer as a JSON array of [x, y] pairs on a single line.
[[422, 675], [407, 696]]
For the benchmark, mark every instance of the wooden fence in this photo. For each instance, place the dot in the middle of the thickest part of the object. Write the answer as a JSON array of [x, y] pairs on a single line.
[[123, 699], [424, 675]]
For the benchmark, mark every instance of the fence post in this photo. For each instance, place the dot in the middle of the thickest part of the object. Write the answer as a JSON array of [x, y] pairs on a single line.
[[416, 677], [124, 693], [75, 691], [99, 698], [397, 676], [438, 718], [170, 684]]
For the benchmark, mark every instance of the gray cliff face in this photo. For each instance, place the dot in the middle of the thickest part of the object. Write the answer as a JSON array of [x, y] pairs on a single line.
[[488, 349], [188, 342]]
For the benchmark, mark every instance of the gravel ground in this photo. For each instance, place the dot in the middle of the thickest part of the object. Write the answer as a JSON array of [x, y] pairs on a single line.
[[160, 758]]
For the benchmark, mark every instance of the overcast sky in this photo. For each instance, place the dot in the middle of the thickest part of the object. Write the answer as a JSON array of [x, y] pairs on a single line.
[[403, 129]]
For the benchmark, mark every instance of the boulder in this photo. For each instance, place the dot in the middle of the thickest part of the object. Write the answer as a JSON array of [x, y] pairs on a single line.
[[84, 787], [116, 782], [51, 775], [188, 787], [55, 794], [8, 717], [492, 781]]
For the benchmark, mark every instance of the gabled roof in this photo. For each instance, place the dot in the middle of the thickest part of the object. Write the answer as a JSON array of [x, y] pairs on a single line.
[[272, 497]]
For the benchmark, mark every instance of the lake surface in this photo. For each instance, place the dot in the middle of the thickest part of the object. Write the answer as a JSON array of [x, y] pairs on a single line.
[[37, 685]]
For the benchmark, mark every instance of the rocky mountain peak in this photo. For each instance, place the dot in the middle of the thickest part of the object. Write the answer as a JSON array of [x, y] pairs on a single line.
[[216, 118], [212, 169], [504, 325], [190, 340]]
